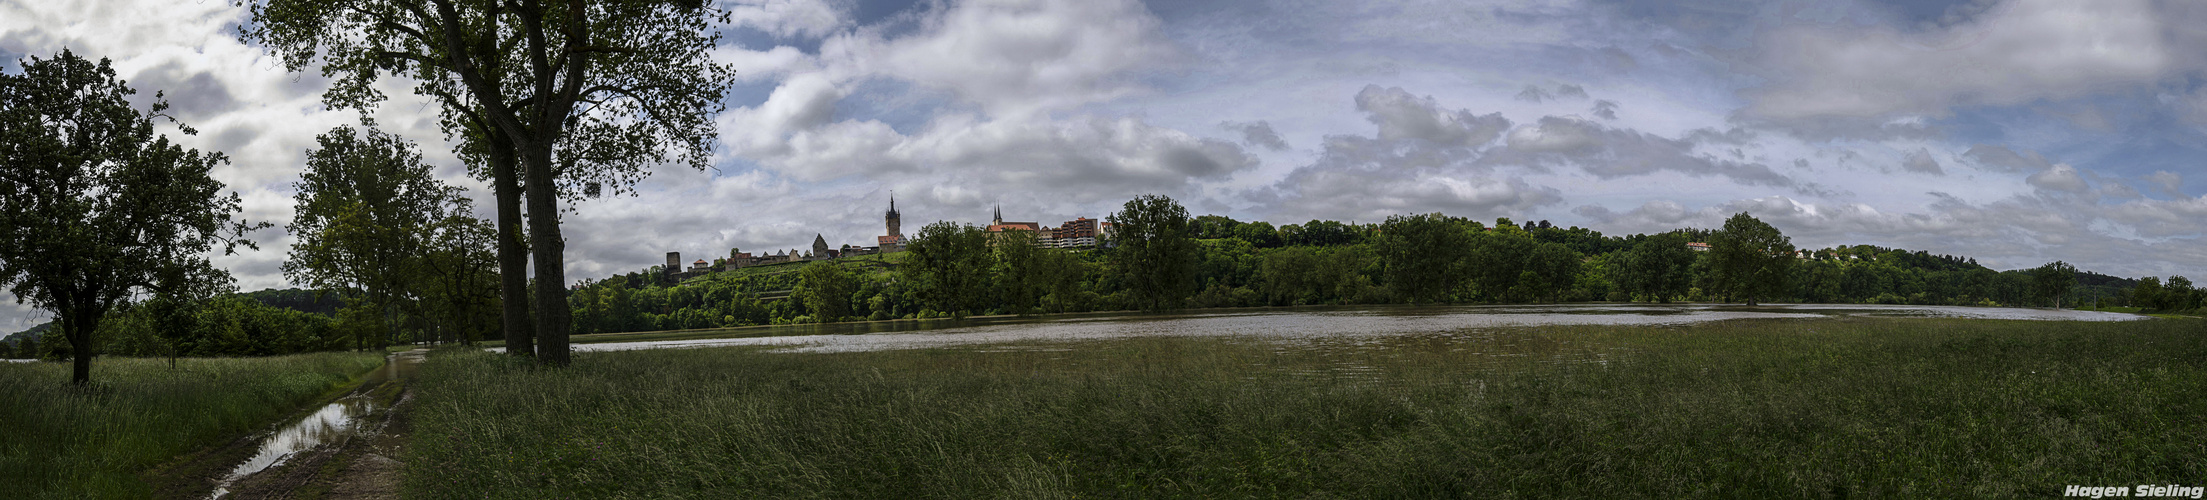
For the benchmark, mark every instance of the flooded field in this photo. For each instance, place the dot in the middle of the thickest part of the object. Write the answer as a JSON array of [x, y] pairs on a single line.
[[1298, 324]]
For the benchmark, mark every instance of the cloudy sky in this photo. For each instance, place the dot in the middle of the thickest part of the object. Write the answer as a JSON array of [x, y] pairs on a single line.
[[2016, 132]]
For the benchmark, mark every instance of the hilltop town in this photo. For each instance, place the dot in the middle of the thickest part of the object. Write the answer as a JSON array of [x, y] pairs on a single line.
[[1081, 232]]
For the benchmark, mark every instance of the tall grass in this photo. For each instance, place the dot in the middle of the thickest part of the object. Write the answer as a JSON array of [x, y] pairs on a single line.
[[1791, 408], [62, 441]]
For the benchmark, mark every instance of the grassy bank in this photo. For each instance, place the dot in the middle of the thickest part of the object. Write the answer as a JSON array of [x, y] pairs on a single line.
[[1778, 408], [63, 441]]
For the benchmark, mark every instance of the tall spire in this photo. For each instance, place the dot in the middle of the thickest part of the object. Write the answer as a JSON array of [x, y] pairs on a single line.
[[998, 215]]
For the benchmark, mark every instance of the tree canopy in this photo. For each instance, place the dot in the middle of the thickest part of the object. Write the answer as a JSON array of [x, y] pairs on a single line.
[[558, 100], [1155, 253], [2053, 281], [96, 207], [367, 213], [951, 261], [1424, 255], [1749, 259], [1659, 267]]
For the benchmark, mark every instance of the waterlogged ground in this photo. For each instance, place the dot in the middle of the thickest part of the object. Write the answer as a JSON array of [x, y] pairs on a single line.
[[1296, 325]]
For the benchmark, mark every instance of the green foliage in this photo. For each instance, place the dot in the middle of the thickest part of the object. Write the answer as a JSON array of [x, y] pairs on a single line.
[[95, 207], [2054, 280], [1424, 255], [825, 288], [1383, 263], [1549, 271], [1155, 255], [233, 325], [371, 217], [951, 262], [94, 442], [1498, 261], [1750, 260], [1022, 281], [564, 99], [1659, 267], [2177, 295]]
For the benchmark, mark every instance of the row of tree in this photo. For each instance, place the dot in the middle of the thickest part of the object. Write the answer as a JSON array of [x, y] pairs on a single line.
[[1159, 258]]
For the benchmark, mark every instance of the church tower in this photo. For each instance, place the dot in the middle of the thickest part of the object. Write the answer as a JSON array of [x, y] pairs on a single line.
[[892, 217], [997, 218]]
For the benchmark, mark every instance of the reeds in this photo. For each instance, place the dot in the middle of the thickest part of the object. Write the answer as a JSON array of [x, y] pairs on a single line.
[[1770, 408], [63, 441]]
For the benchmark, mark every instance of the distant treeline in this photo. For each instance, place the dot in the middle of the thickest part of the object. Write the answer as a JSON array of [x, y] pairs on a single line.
[[260, 323], [1244, 264]]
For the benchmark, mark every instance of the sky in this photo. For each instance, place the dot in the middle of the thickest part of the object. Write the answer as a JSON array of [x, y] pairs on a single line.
[[2016, 132]]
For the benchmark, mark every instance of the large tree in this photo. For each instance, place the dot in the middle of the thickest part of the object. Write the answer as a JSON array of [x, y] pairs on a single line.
[[1020, 267], [95, 206], [1550, 270], [1155, 254], [1659, 267], [825, 289], [1424, 255], [1496, 262], [1750, 260], [559, 99], [951, 262], [458, 275], [367, 212], [2054, 280]]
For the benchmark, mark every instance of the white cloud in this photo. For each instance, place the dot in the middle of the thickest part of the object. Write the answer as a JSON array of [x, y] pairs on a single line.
[[2061, 177], [1402, 116], [1920, 161], [1258, 133], [2170, 184], [2026, 50], [1017, 57]]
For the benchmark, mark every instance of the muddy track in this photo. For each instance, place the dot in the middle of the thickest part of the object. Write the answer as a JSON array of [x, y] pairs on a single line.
[[360, 463]]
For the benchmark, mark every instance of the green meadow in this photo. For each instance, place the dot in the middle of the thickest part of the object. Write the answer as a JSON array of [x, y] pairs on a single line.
[[1837, 407], [59, 440]]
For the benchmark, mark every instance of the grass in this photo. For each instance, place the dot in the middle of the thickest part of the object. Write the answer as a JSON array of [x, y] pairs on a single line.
[[1765, 408], [63, 441]]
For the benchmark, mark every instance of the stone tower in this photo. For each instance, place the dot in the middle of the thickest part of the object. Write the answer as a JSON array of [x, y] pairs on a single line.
[[674, 262], [819, 247], [892, 217], [997, 218]]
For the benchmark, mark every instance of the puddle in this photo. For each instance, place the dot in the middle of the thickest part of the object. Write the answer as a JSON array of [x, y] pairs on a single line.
[[333, 423]]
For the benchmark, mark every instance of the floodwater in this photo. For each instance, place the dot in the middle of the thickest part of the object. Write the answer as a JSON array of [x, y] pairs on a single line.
[[333, 423], [1309, 324]]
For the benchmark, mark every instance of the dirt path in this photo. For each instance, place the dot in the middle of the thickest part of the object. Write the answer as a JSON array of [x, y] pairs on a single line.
[[361, 459]]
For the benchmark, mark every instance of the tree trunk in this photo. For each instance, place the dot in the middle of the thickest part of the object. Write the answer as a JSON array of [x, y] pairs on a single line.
[[78, 329], [547, 248], [513, 259]]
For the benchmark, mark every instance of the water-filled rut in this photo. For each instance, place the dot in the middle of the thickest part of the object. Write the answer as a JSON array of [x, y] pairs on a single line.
[[290, 456]]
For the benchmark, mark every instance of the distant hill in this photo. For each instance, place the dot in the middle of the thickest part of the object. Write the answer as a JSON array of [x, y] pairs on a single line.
[[300, 300], [2092, 279], [35, 330]]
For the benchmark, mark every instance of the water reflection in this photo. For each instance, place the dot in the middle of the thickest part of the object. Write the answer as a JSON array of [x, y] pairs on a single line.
[[333, 423], [1297, 324]]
